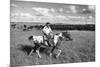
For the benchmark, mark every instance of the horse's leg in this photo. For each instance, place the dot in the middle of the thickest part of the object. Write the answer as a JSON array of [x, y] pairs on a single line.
[[50, 54], [31, 52], [58, 53], [46, 43], [52, 50], [37, 51]]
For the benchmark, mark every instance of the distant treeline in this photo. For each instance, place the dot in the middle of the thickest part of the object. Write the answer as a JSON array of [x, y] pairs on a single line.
[[86, 27]]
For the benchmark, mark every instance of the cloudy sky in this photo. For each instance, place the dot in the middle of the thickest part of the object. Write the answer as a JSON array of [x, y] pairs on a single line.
[[30, 11]]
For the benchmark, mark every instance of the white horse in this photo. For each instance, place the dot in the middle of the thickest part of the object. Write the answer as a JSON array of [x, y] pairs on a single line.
[[57, 41], [38, 42], [58, 38]]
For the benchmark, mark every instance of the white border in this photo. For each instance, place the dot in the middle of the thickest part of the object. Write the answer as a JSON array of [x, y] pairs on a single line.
[[88, 2], [5, 33]]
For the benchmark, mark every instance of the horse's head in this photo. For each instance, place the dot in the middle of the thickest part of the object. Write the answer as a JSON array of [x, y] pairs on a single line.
[[67, 36], [30, 38], [60, 35], [64, 36]]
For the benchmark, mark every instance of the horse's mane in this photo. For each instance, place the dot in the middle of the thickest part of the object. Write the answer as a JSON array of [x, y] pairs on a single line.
[[65, 34], [57, 33], [30, 37]]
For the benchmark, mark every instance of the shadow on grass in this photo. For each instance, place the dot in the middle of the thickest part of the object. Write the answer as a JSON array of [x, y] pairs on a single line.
[[43, 50], [27, 49]]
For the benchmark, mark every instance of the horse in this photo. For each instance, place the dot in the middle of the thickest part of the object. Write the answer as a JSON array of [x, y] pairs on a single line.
[[58, 38], [67, 36], [38, 42]]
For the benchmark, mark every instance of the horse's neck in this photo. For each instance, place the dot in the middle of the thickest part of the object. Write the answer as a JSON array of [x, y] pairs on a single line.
[[37, 37], [56, 38]]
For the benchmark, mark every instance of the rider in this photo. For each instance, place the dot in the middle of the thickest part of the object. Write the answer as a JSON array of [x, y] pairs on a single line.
[[48, 34]]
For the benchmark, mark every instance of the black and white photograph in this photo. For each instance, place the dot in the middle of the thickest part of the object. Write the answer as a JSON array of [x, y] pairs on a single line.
[[45, 33]]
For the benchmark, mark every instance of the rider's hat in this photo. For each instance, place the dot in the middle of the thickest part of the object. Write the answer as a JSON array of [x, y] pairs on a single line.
[[47, 23]]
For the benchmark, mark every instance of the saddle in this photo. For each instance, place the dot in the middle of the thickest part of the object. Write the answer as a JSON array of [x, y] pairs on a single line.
[[49, 39]]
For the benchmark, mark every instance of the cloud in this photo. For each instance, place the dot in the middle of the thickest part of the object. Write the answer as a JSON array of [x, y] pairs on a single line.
[[73, 9], [14, 5], [22, 15], [27, 17], [68, 11], [43, 11], [91, 7], [61, 17], [47, 14], [61, 10], [52, 10], [83, 9]]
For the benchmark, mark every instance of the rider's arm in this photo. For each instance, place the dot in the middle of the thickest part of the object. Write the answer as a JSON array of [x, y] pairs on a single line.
[[43, 30], [50, 29]]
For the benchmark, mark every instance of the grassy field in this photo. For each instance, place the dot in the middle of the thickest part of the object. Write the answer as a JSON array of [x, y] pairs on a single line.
[[81, 49]]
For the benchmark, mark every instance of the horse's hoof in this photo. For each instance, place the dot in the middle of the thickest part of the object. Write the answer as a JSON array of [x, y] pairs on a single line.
[[29, 54], [50, 55], [40, 57], [56, 57]]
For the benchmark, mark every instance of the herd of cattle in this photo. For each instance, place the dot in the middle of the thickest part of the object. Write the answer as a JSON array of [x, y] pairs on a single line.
[[23, 27]]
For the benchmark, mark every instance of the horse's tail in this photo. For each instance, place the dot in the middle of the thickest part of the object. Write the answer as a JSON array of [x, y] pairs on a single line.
[[30, 38]]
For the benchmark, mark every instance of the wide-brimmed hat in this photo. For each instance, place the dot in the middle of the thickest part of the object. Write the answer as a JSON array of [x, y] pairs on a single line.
[[48, 23]]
